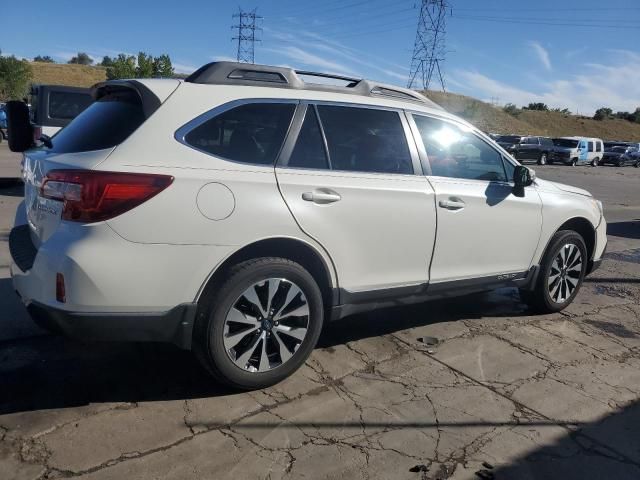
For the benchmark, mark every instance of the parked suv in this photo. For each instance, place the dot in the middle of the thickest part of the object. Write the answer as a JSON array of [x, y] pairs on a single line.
[[577, 151], [527, 148], [237, 211], [620, 155]]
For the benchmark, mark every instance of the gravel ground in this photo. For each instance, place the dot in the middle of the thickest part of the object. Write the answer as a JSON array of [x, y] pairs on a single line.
[[503, 395]]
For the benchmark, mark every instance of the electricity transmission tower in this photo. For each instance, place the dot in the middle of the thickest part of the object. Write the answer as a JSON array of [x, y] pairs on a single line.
[[428, 49], [246, 36]]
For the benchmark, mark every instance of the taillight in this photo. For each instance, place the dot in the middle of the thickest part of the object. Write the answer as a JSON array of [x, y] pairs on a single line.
[[94, 196]]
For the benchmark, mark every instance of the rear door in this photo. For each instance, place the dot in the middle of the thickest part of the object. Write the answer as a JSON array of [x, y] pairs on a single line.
[[351, 180], [583, 151], [485, 231]]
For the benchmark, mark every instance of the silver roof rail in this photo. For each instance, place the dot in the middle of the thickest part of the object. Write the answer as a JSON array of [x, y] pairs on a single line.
[[233, 73]]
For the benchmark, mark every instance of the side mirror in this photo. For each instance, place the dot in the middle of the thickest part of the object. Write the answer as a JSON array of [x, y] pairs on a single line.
[[19, 129], [523, 176]]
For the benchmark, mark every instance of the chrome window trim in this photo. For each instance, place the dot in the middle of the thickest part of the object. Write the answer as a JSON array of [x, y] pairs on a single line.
[[181, 133]]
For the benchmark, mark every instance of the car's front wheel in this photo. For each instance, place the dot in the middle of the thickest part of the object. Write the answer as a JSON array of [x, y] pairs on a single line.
[[561, 273], [261, 323]]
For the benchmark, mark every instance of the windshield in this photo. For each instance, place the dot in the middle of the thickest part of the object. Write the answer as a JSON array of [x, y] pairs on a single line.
[[508, 139], [565, 142], [104, 124]]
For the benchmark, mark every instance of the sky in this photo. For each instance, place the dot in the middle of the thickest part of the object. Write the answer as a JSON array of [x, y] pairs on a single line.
[[576, 54]]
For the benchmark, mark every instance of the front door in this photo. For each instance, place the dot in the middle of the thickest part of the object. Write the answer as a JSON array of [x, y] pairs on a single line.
[[484, 229], [352, 182]]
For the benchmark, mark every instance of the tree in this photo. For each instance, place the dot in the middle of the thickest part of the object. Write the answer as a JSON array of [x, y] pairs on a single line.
[[636, 115], [15, 76], [81, 59], [603, 113], [511, 109], [162, 66], [107, 61], [537, 106], [564, 111], [43, 59], [123, 66], [145, 68]]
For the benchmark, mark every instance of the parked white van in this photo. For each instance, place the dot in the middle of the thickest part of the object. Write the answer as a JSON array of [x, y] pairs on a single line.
[[577, 151]]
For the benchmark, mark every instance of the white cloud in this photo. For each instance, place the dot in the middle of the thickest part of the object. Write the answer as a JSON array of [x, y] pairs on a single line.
[[541, 53], [223, 58], [183, 67], [307, 58], [595, 86]]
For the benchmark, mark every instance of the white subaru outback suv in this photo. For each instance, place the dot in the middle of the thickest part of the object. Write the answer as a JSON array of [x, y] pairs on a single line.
[[235, 212]]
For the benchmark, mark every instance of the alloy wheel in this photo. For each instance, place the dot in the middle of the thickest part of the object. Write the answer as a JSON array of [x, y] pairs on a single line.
[[564, 276], [266, 325]]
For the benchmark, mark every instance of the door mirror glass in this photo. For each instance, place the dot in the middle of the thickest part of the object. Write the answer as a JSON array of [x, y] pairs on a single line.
[[523, 176]]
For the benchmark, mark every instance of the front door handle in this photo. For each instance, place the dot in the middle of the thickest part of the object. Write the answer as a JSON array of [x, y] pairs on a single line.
[[452, 204], [321, 196]]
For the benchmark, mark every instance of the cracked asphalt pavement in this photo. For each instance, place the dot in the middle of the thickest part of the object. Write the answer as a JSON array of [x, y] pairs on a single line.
[[505, 394]]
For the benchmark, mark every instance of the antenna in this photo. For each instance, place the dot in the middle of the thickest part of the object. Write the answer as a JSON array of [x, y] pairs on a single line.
[[246, 36], [428, 48]]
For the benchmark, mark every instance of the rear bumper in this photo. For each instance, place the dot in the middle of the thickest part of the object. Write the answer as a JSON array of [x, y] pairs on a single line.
[[174, 326]]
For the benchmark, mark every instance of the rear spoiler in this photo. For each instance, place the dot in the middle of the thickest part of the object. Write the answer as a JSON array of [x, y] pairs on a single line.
[[150, 102]]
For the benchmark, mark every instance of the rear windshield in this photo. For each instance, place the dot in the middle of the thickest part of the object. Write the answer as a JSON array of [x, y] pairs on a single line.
[[104, 124], [565, 142]]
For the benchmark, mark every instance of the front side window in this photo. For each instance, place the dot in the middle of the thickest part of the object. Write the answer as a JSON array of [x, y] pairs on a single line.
[[365, 140], [251, 133], [591, 146], [455, 153]]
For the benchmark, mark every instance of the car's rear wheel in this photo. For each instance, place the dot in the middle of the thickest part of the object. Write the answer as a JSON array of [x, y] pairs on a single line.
[[594, 162], [561, 273], [261, 324], [543, 159]]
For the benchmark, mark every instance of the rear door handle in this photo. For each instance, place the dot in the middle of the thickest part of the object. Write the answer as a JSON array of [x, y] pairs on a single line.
[[452, 204], [321, 196]]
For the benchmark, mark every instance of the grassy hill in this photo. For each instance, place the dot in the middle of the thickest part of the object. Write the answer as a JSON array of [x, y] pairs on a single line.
[[64, 74], [483, 115], [494, 119]]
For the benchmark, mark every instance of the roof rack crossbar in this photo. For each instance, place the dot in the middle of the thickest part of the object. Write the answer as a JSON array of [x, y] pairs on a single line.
[[233, 73], [327, 75]]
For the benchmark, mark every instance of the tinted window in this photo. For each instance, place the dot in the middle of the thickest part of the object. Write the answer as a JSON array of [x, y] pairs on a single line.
[[309, 149], [250, 133], [598, 146], [508, 139], [565, 142], [453, 152], [547, 142], [66, 105], [104, 124], [365, 140], [591, 146]]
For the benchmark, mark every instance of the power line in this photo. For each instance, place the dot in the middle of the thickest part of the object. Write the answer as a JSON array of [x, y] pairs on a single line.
[[428, 48], [246, 36], [559, 23]]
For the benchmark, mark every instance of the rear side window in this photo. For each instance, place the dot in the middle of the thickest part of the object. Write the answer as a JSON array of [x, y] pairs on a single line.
[[591, 146], [365, 140], [68, 105], [104, 124], [251, 133], [598, 146]]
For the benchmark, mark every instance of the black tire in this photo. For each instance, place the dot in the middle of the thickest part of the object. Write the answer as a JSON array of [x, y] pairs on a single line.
[[540, 298], [594, 162], [543, 159], [208, 336], [637, 164], [574, 162]]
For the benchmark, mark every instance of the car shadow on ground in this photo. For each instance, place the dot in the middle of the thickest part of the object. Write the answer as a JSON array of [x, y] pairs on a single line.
[[44, 371], [11, 187], [630, 229]]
